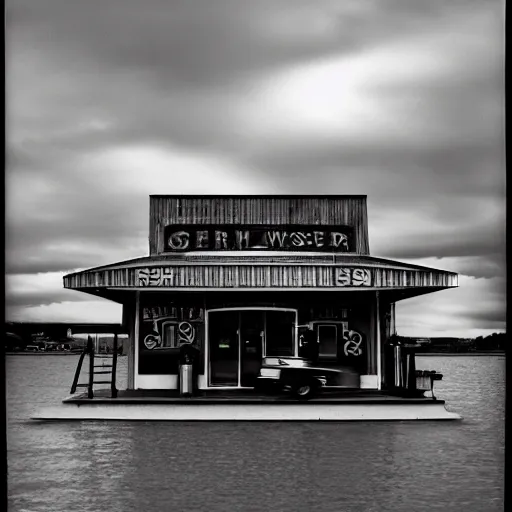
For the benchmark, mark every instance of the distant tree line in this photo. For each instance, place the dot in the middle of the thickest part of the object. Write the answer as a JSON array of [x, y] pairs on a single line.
[[494, 341], [15, 343]]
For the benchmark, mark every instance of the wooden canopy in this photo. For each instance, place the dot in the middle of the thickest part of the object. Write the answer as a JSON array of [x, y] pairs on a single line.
[[276, 272]]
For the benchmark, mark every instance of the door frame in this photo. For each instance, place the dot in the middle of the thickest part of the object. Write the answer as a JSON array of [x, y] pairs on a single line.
[[316, 324], [263, 348]]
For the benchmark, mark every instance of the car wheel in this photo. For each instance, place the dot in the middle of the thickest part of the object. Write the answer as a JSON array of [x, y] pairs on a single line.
[[305, 390]]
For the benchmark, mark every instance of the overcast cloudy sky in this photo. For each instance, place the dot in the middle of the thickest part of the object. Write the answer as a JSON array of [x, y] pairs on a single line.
[[109, 101]]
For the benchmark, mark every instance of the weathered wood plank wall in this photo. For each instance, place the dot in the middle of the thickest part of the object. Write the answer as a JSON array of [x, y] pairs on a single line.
[[257, 210]]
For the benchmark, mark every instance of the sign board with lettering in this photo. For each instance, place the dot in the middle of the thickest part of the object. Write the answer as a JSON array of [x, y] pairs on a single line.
[[186, 238], [255, 214]]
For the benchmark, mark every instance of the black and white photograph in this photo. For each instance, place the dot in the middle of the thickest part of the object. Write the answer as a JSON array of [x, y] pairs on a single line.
[[255, 255]]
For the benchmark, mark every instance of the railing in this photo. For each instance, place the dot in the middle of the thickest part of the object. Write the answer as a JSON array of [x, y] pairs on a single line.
[[89, 350]]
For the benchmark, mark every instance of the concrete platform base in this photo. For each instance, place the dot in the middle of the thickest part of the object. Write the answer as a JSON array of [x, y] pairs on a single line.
[[379, 408]]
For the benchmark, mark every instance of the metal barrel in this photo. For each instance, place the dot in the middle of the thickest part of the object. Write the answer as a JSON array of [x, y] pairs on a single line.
[[186, 380]]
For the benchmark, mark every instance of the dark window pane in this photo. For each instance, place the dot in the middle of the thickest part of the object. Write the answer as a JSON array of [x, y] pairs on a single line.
[[280, 330], [252, 327], [328, 343], [223, 336]]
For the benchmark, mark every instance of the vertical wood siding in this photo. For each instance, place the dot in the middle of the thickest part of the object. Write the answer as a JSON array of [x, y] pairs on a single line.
[[257, 276]]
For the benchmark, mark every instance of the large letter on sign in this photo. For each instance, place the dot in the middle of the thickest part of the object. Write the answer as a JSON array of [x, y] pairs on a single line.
[[339, 240], [179, 240], [155, 276], [143, 275], [343, 277], [361, 277]]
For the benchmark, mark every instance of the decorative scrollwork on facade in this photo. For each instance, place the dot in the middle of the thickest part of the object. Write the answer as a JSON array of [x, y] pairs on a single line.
[[154, 339], [353, 277], [186, 332], [353, 341]]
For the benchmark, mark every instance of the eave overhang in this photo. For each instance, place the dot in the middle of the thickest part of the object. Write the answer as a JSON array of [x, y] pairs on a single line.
[[272, 271]]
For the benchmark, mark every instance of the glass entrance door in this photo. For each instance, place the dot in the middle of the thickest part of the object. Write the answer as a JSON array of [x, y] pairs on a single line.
[[238, 339], [224, 348], [252, 332]]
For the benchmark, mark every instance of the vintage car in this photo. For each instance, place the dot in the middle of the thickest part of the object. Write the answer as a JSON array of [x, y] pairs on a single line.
[[300, 377]]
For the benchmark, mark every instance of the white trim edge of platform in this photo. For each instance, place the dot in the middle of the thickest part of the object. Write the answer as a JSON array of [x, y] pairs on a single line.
[[249, 412]]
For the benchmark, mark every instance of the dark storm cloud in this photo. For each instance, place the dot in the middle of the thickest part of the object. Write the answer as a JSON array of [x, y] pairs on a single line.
[[66, 260], [486, 319], [203, 43], [73, 225], [466, 242], [29, 290], [44, 298], [491, 317], [476, 306], [486, 267], [187, 63]]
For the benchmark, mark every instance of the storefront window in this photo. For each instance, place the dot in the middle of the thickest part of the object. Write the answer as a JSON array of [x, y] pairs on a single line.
[[328, 341], [280, 326], [224, 348], [237, 339]]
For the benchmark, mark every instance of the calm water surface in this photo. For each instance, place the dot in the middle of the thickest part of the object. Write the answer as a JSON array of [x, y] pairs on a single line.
[[363, 466]]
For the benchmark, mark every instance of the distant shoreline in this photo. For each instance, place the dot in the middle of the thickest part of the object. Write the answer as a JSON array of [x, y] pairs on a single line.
[[428, 354], [51, 353], [28, 353]]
